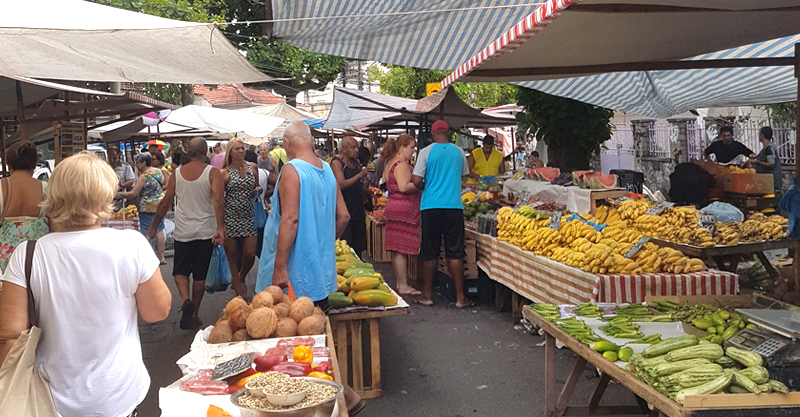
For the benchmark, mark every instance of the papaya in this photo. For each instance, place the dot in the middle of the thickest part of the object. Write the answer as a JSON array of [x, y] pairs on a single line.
[[375, 298], [340, 278], [384, 288], [363, 265], [339, 300], [364, 283], [352, 293], [340, 267], [340, 259], [349, 273]]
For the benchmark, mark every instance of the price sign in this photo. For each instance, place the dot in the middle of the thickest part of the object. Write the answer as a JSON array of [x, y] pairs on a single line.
[[659, 208], [708, 221], [233, 366], [629, 254], [555, 221]]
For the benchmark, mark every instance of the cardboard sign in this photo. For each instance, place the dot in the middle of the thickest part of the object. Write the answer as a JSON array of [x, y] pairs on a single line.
[[555, 221], [629, 254], [659, 208]]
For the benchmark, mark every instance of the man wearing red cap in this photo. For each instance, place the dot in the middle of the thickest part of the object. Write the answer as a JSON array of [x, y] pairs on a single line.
[[438, 173]]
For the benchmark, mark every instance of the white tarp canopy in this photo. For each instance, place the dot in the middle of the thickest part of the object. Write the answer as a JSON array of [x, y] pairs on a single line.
[[79, 40], [290, 113], [348, 108], [225, 121], [124, 130], [621, 54]]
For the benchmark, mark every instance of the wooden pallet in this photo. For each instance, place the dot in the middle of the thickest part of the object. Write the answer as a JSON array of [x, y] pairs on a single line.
[[376, 247]]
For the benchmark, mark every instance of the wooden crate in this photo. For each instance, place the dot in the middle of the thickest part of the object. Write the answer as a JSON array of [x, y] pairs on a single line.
[[358, 349], [376, 248]]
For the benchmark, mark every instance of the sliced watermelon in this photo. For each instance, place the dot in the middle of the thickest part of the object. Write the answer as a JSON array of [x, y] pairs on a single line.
[[549, 174], [588, 180], [577, 177], [605, 181]]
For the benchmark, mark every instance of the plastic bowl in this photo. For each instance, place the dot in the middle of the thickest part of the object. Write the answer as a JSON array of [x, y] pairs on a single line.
[[324, 409], [285, 400], [258, 392]]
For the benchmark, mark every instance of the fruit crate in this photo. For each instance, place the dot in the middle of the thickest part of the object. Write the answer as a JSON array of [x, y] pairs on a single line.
[[747, 202], [376, 247], [630, 180]]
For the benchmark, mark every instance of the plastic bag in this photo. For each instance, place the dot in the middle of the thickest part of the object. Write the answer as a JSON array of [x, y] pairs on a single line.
[[261, 215], [725, 212], [219, 275]]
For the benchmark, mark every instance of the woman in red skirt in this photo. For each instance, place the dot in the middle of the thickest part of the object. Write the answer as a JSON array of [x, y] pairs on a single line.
[[402, 209]]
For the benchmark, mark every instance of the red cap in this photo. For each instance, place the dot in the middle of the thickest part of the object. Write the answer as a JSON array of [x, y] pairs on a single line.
[[440, 126]]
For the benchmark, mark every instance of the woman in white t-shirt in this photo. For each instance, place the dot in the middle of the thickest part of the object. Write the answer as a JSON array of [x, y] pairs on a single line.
[[89, 283]]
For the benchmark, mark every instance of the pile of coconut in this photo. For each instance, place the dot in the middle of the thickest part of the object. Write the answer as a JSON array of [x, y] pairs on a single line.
[[270, 314]]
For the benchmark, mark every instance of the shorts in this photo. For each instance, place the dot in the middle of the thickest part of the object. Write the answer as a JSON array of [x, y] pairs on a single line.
[[192, 258], [146, 220], [438, 224]]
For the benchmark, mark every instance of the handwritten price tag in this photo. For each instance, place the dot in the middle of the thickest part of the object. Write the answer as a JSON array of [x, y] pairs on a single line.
[[659, 208], [708, 221], [629, 254], [555, 221]]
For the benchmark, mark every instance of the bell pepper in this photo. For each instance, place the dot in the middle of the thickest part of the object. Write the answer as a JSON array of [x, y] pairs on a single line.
[[324, 367], [292, 368], [303, 354], [231, 380], [242, 382], [320, 375], [264, 363]]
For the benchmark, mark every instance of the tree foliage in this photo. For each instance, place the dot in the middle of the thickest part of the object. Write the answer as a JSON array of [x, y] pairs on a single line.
[[782, 114], [573, 131], [410, 82]]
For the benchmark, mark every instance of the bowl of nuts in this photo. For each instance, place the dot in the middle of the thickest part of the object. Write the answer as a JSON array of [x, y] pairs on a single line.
[[320, 396]]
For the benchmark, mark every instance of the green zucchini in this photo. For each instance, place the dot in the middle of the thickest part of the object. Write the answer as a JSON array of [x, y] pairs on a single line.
[[710, 351], [668, 345], [744, 357], [710, 387], [742, 381], [758, 374]]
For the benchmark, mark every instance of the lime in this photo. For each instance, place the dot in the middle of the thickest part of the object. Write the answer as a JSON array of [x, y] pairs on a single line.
[[610, 355], [625, 353]]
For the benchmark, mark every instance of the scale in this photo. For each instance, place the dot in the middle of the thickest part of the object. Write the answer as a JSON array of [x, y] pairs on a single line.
[[233, 367], [769, 345], [774, 340]]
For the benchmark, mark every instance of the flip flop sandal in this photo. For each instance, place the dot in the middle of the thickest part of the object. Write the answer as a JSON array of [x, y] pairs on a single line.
[[357, 408], [417, 301], [470, 305], [187, 319], [414, 293]]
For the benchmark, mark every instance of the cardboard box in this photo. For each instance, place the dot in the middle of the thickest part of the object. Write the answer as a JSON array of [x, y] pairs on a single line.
[[471, 251], [748, 183]]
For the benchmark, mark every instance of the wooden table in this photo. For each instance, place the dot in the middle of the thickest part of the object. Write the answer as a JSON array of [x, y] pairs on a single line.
[[727, 257], [347, 329], [728, 405], [337, 374]]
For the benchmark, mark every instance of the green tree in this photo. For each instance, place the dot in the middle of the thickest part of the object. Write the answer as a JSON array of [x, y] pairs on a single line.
[[410, 82], [573, 131], [783, 114]]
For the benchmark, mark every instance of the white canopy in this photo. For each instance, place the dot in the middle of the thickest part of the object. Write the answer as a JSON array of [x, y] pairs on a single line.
[[79, 40], [225, 121]]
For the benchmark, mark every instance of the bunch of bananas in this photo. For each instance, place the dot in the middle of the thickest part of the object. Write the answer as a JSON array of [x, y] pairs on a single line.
[[512, 226], [542, 241], [130, 212], [563, 255], [527, 211], [606, 215], [727, 233], [681, 216], [621, 235], [577, 229], [651, 224], [675, 262], [630, 210], [773, 227]]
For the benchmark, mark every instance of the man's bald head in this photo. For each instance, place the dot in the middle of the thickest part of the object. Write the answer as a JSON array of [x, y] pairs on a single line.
[[296, 138], [349, 141], [197, 149]]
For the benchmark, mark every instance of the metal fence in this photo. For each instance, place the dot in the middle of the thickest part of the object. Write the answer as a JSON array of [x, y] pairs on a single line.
[[783, 137], [621, 142], [660, 134]]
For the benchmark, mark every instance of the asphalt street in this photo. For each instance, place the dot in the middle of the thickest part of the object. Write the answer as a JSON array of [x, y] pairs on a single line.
[[436, 361]]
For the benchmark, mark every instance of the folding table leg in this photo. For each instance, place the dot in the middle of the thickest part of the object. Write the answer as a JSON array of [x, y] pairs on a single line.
[[569, 386], [549, 375]]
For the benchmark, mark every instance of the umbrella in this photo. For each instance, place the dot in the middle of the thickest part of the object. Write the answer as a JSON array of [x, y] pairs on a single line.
[[155, 142]]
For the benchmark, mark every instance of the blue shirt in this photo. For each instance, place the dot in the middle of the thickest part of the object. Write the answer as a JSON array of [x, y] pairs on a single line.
[[312, 259], [441, 165]]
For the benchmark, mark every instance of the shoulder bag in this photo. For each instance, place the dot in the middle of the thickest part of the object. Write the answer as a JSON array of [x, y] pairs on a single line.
[[23, 390]]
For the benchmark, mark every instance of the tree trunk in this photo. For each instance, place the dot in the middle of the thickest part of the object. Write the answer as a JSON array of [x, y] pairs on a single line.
[[566, 158], [187, 94]]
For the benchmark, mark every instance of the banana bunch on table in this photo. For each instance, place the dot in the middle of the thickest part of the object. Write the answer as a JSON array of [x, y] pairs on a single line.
[[628, 235], [630, 210], [576, 229], [542, 241]]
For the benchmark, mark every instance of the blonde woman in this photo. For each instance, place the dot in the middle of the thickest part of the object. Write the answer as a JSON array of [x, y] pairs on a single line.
[[88, 284], [241, 185]]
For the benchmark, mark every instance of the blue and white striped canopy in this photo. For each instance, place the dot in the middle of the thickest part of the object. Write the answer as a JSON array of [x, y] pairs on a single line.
[[440, 40], [661, 94]]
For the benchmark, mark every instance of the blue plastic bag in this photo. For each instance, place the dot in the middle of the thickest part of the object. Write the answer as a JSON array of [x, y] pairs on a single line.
[[219, 275], [261, 215], [790, 204], [725, 212]]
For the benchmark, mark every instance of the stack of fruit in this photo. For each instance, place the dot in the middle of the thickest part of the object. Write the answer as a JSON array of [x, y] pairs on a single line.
[[358, 283], [721, 323], [684, 366], [130, 212], [475, 208], [733, 169]]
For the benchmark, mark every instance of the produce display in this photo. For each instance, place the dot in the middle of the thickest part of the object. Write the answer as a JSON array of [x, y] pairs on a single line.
[[358, 283], [577, 243], [276, 383], [721, 323], [130, 212], [684, 366], [270, 314]]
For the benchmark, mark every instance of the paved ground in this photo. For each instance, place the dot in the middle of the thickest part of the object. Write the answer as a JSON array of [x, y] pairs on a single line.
[[436, 361]]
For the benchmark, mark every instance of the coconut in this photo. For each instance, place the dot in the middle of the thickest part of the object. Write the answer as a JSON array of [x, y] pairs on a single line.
[[276, 292], [261, 323], [286, 328], [318, 312], [238, 318], [221, 333], [262, 299], [281, 310], [232, 304], [311, 325], [240, 335], [301, 308]]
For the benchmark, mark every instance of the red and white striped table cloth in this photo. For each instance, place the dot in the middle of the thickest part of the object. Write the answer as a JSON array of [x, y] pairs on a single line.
[[543, 280]]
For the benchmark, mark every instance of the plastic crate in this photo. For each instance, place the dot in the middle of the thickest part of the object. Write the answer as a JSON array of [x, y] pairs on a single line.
[[630, 180]]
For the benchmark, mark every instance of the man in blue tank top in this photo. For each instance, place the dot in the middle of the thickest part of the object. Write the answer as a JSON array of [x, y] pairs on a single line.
[[438, 173]]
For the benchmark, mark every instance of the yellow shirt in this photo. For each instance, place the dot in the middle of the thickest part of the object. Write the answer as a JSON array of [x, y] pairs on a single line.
[[486, 167]]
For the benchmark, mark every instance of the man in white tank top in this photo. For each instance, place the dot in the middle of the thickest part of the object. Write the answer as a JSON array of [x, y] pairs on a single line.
[[199, 225]]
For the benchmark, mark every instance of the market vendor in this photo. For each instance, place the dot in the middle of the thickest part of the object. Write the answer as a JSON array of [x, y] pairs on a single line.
[[767, 161], [726, 148], [485, 160]]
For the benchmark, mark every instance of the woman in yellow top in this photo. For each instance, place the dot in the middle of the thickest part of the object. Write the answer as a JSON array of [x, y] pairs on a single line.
[[485, 160]]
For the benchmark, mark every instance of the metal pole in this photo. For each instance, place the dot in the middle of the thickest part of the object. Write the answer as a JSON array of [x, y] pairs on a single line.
[[797, 110], [23, 136]]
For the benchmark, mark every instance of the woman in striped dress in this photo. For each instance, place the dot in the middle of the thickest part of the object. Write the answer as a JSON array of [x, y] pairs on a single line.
[[241, 186], [402, 209]]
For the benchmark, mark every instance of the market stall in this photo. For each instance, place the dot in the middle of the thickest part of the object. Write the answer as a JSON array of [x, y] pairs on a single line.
[[670, 383], [578, 200]]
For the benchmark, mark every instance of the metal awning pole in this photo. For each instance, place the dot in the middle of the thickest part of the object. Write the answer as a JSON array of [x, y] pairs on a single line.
[[797, 110]]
